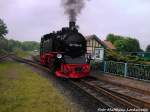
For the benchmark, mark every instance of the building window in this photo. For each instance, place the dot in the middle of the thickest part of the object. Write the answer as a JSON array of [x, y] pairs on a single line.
[[88, 43], [97, 45], [94, 43], [99, 54]]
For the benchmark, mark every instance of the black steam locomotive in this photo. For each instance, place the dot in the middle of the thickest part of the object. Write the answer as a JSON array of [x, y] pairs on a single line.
[[64, 52]]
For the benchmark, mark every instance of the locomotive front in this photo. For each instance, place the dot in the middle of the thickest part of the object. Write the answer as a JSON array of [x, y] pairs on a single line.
[[67, 54]]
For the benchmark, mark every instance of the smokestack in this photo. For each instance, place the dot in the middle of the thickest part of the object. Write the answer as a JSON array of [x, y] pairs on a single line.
[[72, 25]]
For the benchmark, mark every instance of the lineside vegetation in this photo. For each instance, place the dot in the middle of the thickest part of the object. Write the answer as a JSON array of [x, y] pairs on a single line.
[[22, 90]]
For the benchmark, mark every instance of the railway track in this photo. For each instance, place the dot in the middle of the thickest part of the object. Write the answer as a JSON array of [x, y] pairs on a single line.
[[29, 62], [109, 95], [5, 56], [117, 95]]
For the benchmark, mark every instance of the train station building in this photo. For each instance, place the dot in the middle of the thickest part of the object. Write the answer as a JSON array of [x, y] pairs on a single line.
[[96, 47]]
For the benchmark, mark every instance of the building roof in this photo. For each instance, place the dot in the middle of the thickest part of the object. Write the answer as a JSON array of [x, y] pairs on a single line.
[[106, 44], [109, 45], [93, 37]]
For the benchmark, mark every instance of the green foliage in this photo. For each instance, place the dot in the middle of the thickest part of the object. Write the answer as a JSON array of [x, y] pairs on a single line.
[[133, 59], [21, 53], [124, 44], [113, 55], [112, 38], [132, 45], [148, 48], [95, 65], [117, 56], [13, 45], [30, 45], [121, 45], [3, 44], [2, 52], [3, 29]]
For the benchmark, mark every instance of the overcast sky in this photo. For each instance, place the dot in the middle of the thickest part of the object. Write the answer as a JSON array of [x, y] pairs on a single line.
[[30, 19]]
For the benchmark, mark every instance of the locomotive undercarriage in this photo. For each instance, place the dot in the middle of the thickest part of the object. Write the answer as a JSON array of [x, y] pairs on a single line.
[[62, 69]]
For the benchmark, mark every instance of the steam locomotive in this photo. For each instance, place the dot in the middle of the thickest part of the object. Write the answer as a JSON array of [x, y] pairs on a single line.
[[64, 52]]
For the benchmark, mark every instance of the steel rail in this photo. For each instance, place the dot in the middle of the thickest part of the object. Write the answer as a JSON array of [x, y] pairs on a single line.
[[22, 60], [126, 86], [124, 99], [109, 94], [30, 62], [102, 101], [94, 95]]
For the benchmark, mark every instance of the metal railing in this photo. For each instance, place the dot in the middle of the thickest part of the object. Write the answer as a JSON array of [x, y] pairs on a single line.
[[138, 71]]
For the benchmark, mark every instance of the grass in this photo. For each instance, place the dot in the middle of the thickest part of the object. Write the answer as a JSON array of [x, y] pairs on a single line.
[[22, 90], [22, 54]]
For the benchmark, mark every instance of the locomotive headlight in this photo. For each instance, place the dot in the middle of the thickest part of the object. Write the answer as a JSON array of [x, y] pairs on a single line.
[[59, 56]]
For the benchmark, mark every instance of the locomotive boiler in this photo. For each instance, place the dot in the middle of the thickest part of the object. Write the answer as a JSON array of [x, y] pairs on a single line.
[[64, 52]]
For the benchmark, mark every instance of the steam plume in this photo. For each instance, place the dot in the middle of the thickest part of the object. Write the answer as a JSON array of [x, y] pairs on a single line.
[[73, 8]]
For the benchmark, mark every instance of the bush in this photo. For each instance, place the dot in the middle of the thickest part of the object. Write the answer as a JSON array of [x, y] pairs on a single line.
[[95, 65], [2, 52], [113, 55], [117, 56]]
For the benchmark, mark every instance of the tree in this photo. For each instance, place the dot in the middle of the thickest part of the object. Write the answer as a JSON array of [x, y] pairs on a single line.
[[112, 38], [3, 29], [30, 46], [148, 48], [121, 45], [124, 44], [3, 44], [13, 44], [133, 45]]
